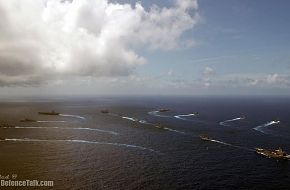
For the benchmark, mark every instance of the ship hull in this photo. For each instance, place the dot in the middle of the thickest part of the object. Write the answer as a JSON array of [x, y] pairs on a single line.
[[46, 113]]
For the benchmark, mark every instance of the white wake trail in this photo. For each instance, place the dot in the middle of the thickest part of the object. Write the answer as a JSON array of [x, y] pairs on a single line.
[[224, 123], [83, 141], [129, 118], [137, 120], [271, 123], [176, 131], [179, 117], [51, 121], [74, 116], [185, 115], [261, 128], [156, 113], [227, 144], [67, 128]]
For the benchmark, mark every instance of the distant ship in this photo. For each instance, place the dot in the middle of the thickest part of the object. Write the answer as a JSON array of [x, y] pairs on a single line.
[[159, 126], [163, 110], [276, 154], [205, 137], [28, 120], [104, 111], [194, 113], [49, 113]]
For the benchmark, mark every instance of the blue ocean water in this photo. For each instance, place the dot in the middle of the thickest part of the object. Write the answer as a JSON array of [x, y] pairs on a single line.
[[135, 146]]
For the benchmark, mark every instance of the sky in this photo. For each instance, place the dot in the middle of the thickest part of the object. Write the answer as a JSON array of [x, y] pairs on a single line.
[[128, 47]]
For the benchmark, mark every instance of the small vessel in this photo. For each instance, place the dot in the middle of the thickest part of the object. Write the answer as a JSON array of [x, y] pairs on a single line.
[[195, 113], [49, 113], [276, 154], [205, 137], [163, 110], [159, 126], [104, 111], [28, 120]]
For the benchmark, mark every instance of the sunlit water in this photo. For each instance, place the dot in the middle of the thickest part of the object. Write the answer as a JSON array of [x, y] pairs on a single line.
[[137, 147]]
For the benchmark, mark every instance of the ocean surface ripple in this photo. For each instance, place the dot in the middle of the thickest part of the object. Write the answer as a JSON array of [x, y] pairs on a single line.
[[65, 128], [82, 141]]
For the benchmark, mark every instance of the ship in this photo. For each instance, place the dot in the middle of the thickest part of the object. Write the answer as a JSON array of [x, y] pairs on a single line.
[[49, 113], [104, 111], [163, 110], [205, 137], [276, 154], [28, 120], [159, 126]]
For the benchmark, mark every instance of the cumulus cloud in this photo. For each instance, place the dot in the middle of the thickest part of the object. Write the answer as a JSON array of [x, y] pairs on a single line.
[[50, 39]]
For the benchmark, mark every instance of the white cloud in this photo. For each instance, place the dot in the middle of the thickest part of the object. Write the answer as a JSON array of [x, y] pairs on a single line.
[[257, 81], [278, 80], [51, 39], [273, 78], [208, 71], [170, 73]]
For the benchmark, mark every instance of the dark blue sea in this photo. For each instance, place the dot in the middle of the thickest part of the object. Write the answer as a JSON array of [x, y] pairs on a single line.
[[133, 144]]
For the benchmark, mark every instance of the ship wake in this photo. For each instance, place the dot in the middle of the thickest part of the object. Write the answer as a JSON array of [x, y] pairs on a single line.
[[67, 128], [227, 122], [263, 128], [157, 114], [231, 145], [51, 121], [73, 116]]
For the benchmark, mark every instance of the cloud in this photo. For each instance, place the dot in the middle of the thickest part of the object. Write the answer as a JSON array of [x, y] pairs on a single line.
[[42, 40], [208, 71], [257, 81], [170, 73], [278, 80], [273, 78]]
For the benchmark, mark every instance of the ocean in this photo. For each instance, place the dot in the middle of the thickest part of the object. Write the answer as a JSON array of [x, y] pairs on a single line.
[[137, 146]]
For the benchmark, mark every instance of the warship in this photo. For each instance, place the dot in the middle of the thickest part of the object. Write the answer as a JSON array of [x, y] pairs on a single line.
[[205, 137], [104, 111], [163, 110], [49, 113], [276, 154], [28, 120]]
